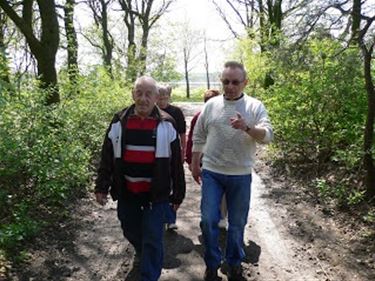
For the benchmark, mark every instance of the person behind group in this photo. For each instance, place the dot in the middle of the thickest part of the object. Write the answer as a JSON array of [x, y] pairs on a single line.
[[163, 102], [140, 164], [210, 93], [227, 131]]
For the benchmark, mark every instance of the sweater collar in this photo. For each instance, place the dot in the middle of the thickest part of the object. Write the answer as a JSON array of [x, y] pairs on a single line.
[[236, 99]]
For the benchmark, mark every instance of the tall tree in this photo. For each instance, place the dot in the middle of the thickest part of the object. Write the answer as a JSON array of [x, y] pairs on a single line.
[[243, 12], [356, 20], [71, 38], [370, 119], [147, 13], [44, 49], [189, 40], [4, 68], [275, 16], [129, 20], [359, 37], [268, 19], [147, 18], [206, 64], [360, 27], [99, 9]]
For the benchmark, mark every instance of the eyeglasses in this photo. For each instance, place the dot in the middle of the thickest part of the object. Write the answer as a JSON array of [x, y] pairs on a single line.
[[233, 82]]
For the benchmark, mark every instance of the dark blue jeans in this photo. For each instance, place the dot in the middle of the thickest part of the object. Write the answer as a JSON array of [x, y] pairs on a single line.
[[237, 191], [171, 215], [144, 228]]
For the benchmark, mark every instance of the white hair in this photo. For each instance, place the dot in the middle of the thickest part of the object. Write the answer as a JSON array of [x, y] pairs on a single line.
[[148, 80]]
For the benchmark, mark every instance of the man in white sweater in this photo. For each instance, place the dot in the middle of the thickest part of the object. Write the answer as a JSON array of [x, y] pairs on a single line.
[[226, 134]]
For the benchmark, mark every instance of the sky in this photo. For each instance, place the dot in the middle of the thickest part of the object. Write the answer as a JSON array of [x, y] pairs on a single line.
[[200, 14]]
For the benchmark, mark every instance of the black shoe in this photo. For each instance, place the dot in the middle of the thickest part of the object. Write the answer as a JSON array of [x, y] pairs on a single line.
[[235, 273], [211, 275], [137, 260]]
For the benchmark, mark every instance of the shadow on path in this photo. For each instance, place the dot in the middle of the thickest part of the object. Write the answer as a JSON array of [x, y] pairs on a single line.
[[174, 244], [252, 249]]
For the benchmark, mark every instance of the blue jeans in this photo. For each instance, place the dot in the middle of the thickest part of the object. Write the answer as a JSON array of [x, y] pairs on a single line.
[[170, 215], [237, 190], [144, 228]]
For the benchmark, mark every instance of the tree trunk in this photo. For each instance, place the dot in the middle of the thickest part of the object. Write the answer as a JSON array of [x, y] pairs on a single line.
[[356, 21], [72, 43], [44, 49], [186, 75], [48, 75], [129, 20], [369, 129], [206, 63], [107, 41], [263, 27], [4, 67], [131, 70], [50, 44], [275, 15], [100, 14], [142, 59]]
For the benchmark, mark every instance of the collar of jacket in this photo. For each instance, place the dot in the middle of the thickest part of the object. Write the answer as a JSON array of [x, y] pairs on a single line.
[[156, 113]]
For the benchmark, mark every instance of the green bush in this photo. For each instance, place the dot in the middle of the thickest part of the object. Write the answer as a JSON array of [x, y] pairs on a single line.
[[196, 94], [343, 194], [317, 104], [47, 151]]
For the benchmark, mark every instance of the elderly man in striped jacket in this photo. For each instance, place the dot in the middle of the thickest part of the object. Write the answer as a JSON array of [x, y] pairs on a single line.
[[141, 167]]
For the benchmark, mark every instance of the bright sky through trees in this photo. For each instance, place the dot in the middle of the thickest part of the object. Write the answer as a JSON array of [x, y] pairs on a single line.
[[200, 15]]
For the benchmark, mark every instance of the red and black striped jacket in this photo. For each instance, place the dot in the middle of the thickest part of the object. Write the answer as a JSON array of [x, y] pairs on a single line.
[[168, 180]]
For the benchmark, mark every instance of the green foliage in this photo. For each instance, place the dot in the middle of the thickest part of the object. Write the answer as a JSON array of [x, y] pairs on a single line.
[[47, 152], [369, 217], [318, 101], [340, 192], [258, 64], [317, 105], [4, 71], [196, 94], [164, 70]]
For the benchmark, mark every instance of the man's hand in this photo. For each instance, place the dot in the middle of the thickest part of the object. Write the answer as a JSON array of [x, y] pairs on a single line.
[[183, 156], [238, 122], [101, 198], [175, 207], [196, 173], [196, 166]]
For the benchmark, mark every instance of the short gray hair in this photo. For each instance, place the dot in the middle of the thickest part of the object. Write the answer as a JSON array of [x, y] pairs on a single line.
[[147, 79], [164, 88], [235, 64]]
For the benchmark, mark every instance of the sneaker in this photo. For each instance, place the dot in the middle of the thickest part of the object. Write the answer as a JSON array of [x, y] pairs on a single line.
[[223, 224], [211, 275], [172, 226], [235, 273]]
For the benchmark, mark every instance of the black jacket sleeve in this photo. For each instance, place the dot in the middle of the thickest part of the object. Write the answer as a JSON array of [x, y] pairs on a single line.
[[177, 173], [104, 180]]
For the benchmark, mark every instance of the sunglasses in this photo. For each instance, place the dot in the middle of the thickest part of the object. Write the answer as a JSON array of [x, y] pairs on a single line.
[[233, 82]]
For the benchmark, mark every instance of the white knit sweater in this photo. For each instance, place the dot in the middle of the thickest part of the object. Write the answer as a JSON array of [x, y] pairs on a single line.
[[227, 150]]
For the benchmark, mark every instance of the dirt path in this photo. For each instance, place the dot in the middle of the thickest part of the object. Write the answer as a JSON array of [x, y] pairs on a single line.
[[285, 240]]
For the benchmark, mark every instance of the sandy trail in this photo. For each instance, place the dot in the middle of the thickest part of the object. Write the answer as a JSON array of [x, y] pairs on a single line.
[[281, 243]]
